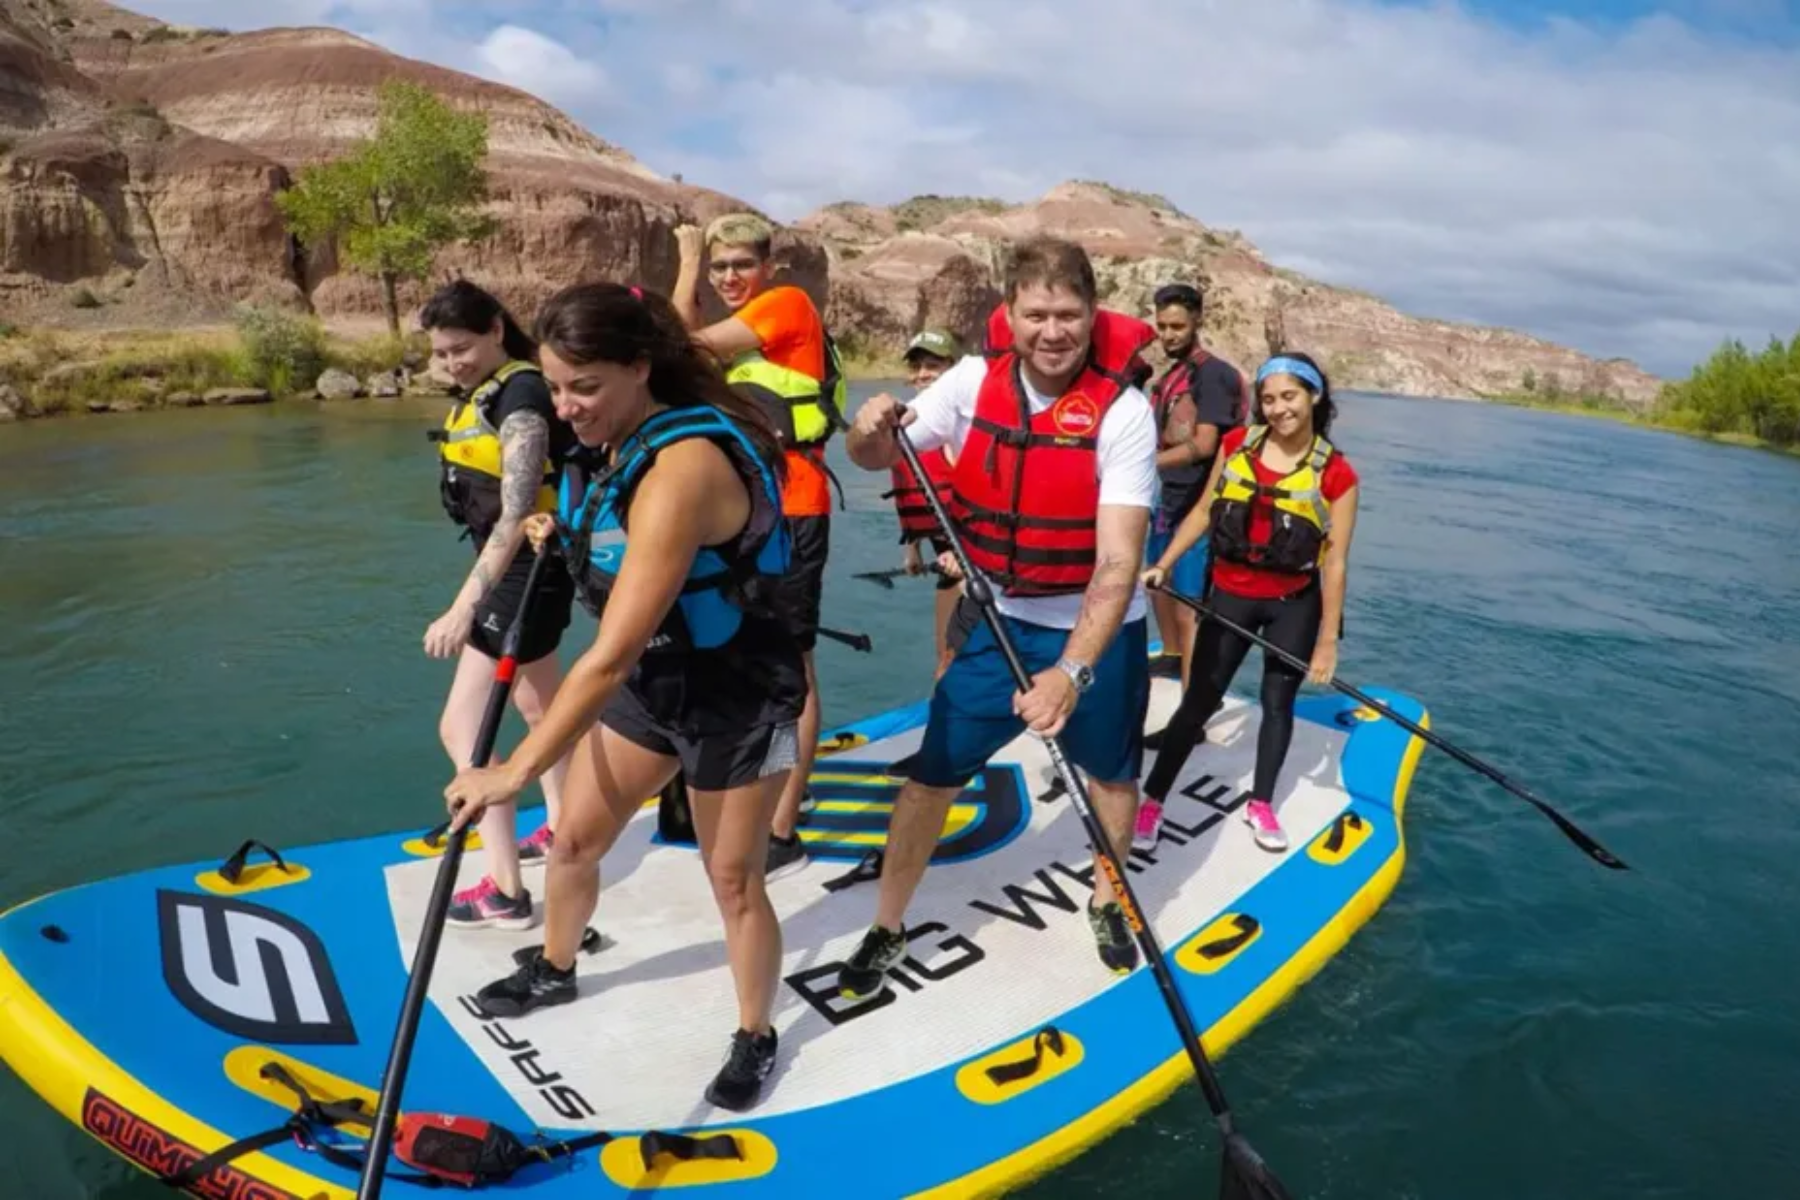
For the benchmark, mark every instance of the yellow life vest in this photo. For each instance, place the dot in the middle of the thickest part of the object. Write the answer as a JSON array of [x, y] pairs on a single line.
[[469, 457], [1299, 517]]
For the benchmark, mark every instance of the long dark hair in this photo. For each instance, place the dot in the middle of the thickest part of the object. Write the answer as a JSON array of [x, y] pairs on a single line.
[[609, 322], [463, 305], [1324, 407]]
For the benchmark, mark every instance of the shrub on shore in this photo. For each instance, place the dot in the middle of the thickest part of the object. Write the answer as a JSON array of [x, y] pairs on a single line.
[[270, 348]]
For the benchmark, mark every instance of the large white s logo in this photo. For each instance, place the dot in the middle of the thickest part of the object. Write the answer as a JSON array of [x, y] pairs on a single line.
[[250, 970]]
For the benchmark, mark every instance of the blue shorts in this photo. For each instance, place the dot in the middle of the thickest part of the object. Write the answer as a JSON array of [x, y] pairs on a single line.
[[972, 717], [1189, 575]]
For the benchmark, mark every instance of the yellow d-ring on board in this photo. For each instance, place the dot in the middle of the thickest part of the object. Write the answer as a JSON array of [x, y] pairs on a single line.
[[972, 1078], [623, 1162], [256, 877], [1226, 938], [1341, 838]]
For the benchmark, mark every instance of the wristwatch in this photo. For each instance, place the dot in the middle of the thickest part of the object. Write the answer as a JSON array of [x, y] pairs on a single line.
[[1079, 673]]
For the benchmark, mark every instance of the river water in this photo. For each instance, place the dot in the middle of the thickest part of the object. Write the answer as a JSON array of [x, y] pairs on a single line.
[[211, 620]]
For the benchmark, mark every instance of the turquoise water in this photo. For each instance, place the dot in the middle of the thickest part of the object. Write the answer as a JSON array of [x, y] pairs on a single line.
[[210, 628]]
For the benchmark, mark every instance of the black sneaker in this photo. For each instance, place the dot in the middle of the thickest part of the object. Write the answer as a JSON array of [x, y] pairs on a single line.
[[786, 855], [1112, 937], [739, 1082], [537, 984], [866, 972]]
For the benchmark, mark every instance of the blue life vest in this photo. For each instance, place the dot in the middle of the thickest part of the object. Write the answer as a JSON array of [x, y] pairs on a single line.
[[724, 582]]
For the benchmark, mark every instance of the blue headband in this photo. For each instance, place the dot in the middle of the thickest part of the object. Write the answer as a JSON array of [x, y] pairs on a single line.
[[1281, 364]]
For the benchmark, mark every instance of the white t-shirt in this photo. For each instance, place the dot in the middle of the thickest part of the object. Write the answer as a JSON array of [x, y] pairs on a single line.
[[1125, 461]]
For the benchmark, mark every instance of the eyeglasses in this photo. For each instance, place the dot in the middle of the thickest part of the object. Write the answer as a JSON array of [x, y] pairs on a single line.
[[741, 266]]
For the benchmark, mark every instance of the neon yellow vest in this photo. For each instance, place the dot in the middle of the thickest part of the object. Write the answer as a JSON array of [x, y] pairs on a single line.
[[805, 421]]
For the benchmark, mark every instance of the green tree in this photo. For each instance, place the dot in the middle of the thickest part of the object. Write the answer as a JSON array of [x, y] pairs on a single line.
[[1738, 392], [392, 201]]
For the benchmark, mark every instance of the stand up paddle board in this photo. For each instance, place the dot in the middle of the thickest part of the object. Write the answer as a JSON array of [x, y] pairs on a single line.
[[147, 1008]]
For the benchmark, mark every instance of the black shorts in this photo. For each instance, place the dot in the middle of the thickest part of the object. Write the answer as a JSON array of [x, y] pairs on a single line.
[[799, 591], [544, 624], [710, 762]]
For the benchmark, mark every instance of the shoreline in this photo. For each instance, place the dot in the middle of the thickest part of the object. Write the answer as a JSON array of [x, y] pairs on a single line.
[[47, 372], [1660, 423]]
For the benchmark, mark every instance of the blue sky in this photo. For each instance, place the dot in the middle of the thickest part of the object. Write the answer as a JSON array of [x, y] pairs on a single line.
[[1617, 176]]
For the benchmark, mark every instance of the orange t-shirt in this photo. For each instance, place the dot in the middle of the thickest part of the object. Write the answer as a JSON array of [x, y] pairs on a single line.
[[792, 336]]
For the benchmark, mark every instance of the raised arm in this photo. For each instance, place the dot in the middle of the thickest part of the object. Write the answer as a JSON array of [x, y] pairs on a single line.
[[725, 339]]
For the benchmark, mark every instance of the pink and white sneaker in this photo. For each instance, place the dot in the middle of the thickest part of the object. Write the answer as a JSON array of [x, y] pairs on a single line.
[[1149, 824], [486, 906], [1261, 820], [536, 848]]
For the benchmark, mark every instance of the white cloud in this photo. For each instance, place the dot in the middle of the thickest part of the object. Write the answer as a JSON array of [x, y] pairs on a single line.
[[550, 70], [1625, 189]]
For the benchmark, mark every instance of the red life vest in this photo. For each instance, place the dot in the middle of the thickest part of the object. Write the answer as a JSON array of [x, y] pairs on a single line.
[[1179, 381], [1025, 490], [916, 518]]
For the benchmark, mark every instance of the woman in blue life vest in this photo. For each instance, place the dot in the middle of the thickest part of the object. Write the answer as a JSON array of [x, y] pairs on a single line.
[[1280, 504], [500, 456], [670, 522]]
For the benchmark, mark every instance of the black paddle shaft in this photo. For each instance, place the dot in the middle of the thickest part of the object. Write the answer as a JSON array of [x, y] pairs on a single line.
[[406, 1030], [856, 641], [1593, 849], [979, 590]]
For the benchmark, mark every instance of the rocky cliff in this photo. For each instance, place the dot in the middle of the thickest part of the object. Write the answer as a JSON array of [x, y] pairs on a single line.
[[936, 260], [139, 163]]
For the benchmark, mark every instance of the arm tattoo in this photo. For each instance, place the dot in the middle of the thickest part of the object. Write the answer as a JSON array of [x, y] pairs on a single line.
[[524, 441]]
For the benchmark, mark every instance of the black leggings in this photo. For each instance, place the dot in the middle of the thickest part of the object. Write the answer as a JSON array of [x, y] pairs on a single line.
[[1292, 624]]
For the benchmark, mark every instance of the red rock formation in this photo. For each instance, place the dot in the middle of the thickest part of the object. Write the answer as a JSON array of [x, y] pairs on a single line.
[[945, 255], [569, 206]]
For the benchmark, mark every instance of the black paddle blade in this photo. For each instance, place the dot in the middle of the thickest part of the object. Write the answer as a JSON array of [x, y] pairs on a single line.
[[1245, 1176], [880, 577]]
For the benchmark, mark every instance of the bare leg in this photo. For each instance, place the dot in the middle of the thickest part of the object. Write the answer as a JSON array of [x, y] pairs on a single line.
[[787, 814], [733, 830], [1116, 806], [913, 832], [458, 728], [946, 609], [608, 779], [532, 694]]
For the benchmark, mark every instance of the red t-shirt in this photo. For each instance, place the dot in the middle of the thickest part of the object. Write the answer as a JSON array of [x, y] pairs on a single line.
[[1254, 583]]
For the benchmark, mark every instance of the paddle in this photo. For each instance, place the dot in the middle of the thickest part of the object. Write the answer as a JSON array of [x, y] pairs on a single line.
[[393, 1079], [1594, 850], [856, 641], [886, 578], [1245, 1176]]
